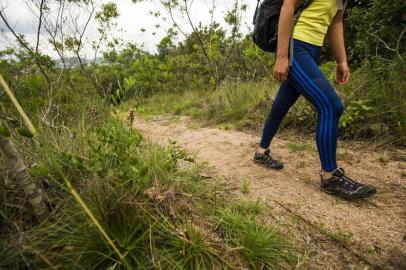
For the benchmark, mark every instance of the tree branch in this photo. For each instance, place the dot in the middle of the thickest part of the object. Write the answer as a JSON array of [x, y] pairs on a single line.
[[24, 45], [80, 40], [173, 20], [41, 6], [396, 50], [203, 47]]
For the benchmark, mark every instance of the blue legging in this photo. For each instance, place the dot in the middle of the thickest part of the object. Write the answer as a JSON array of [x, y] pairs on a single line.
[[305, 78]]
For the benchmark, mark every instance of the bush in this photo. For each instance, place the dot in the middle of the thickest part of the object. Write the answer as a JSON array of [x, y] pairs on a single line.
[[371, 24], [375, 99]]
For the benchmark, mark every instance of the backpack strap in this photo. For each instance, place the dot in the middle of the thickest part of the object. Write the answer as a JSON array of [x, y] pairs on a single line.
[[256, 11], [340, 4], [291, 45]]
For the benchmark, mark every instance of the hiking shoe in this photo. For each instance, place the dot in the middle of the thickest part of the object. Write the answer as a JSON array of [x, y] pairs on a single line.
[[267, 160], [344, 187]]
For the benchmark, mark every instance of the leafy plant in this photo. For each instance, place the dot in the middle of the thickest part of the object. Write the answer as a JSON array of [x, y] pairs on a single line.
[[354, 113]]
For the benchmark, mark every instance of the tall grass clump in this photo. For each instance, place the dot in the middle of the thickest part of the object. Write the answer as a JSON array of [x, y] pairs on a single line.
[[260, 246]]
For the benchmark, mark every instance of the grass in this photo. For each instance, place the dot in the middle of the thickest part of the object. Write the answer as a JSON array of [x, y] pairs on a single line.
[[249, 207], [384, 158], [298, 147], [301, 164], [232, 103], [344, 154], [235, 105], [245, 186], [336, 234], [345, 238], [241, 105], [191, 248], [261, 246], [157, 214]]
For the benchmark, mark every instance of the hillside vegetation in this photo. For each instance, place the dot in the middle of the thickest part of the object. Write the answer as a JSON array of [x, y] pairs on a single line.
[[116, 201]]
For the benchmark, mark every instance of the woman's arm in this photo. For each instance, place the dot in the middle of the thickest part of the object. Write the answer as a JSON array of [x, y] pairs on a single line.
[[336, 38], [281, 68]]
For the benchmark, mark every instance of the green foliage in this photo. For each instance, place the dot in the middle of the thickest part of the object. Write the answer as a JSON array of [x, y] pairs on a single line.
[[182, 66], [242, 104], [107, 12], [108, 82], [355, 112], [298, 147], [25, 132], [115, 154], [136, 191], [375, 29], [4, 129], [374, 103]]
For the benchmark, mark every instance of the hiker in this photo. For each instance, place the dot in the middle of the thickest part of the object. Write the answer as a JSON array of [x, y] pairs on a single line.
[[300, 75]]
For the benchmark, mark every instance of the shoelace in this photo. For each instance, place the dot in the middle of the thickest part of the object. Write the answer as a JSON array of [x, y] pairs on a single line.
[[344, 180], [269, 158], [341, 179]]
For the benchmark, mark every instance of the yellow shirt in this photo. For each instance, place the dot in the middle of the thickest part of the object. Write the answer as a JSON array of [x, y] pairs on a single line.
[[314, 21]]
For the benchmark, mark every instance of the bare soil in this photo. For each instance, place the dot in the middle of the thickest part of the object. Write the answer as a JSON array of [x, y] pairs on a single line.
[[372, 231]]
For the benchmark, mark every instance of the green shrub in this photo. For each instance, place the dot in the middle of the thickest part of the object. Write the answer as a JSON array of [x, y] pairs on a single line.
[[375, 100]]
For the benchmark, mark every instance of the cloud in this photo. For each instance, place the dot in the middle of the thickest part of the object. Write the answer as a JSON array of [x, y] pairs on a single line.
[[19, 16]]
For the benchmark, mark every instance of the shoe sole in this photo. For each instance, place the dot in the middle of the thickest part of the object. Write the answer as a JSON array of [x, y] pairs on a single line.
[[360, 196], [262, 164]]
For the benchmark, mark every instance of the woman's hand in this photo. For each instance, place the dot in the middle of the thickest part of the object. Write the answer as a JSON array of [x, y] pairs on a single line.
[[342, 73], [281, 68]]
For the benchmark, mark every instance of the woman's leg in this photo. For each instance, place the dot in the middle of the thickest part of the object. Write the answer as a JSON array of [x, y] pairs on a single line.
[[307, 78], [286, 97]]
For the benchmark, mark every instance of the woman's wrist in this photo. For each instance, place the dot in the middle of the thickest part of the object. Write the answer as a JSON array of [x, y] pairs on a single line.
[[282, 55], [342, 62]]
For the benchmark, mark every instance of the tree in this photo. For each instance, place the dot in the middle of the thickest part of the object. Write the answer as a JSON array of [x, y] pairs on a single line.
[[205, 39]]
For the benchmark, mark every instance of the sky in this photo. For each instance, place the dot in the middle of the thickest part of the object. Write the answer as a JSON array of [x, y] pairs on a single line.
[[133, 18]]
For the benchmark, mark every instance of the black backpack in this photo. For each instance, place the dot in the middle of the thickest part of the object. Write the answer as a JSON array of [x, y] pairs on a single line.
[[266, 20]]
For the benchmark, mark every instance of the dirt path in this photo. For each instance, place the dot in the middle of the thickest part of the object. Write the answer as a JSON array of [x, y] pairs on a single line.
[[375, 227]]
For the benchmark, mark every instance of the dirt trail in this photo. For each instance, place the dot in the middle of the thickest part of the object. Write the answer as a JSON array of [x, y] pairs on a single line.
[[377, 225]]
